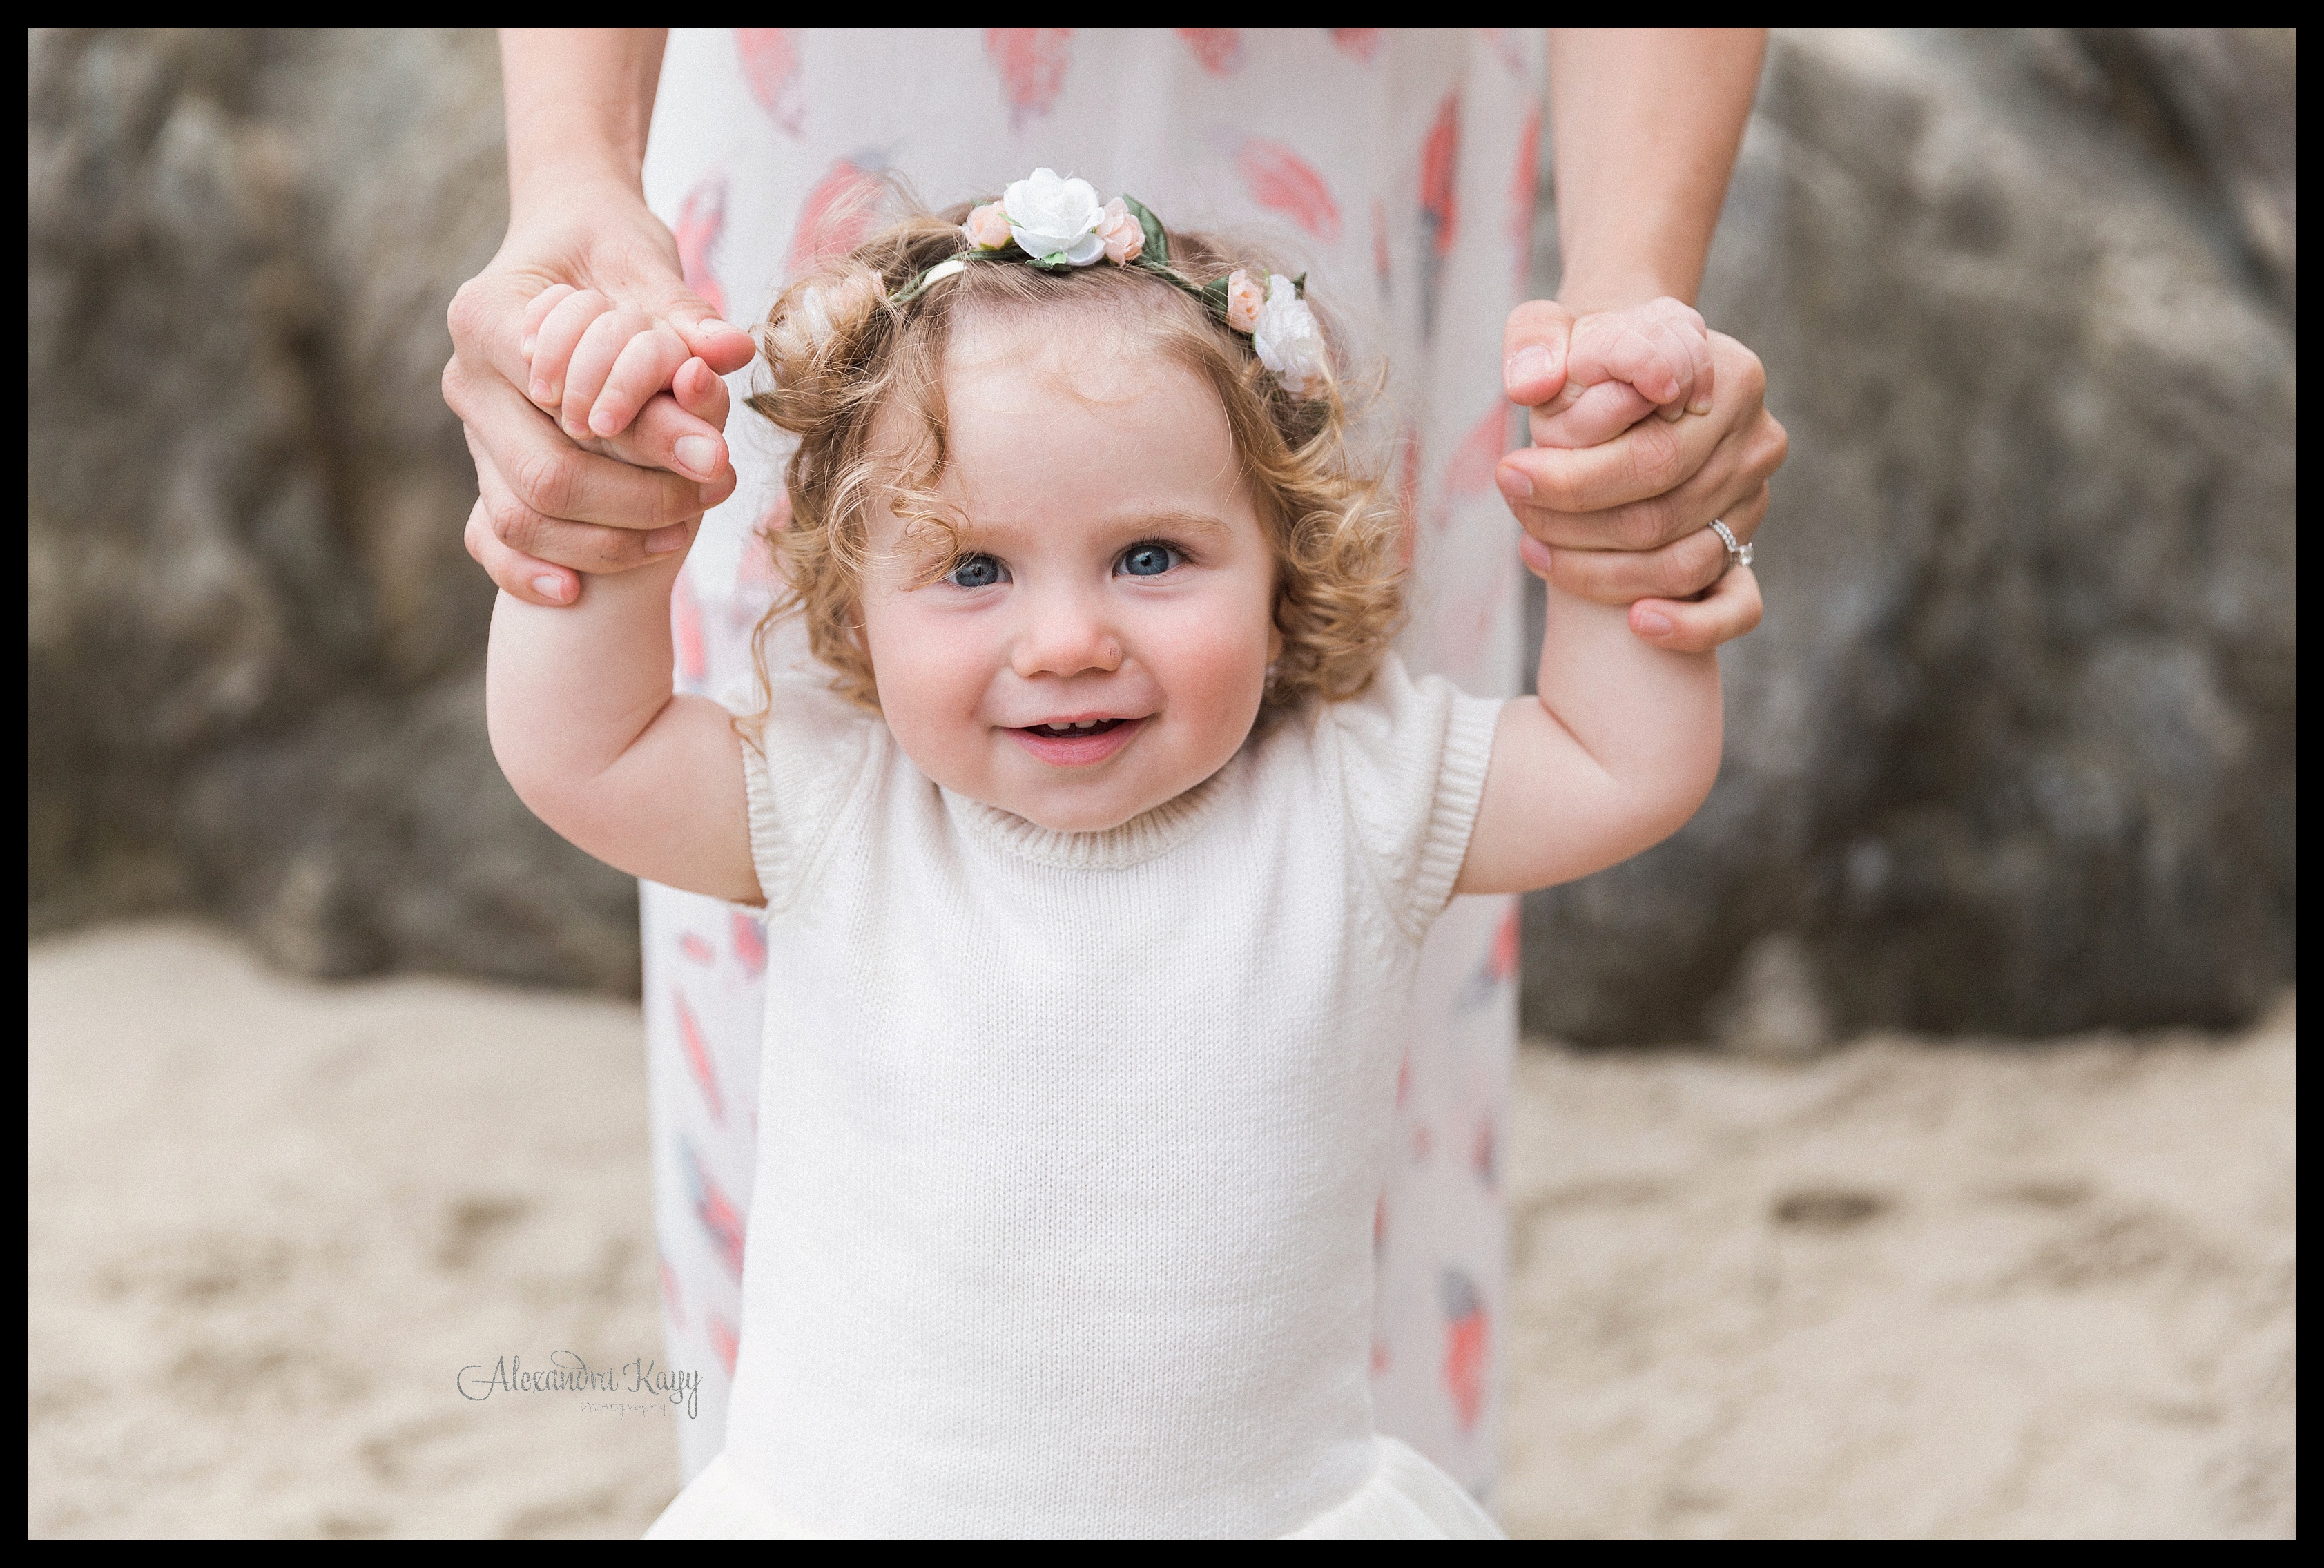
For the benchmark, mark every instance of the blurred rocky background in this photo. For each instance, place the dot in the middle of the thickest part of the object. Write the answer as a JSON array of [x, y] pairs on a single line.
[[2014, 753]]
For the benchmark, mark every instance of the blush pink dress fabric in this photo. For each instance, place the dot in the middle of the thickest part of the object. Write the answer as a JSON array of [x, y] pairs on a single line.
[[1399, 168]]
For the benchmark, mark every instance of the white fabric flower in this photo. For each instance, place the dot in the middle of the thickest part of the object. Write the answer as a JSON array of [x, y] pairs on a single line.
[[1288, 341], [1050, 216]]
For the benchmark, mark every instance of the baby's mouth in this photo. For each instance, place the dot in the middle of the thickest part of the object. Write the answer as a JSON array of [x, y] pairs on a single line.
[[1075, 732]]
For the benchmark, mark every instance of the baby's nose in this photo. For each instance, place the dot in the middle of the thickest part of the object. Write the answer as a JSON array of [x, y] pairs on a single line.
[[1063, 638]]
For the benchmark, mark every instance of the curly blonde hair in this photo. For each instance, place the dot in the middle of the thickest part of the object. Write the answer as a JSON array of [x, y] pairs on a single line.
[[843, 353]]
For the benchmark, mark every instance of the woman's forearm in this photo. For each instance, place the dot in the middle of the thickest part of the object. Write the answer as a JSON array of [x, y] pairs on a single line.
[[580, 100], [1645, 125]]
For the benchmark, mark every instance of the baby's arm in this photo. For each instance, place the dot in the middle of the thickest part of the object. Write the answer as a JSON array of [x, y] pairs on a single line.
[[587, 727], [1614, 755], [1621, 365]]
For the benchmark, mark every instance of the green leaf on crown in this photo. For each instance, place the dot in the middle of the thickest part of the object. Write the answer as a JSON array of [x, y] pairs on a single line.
[[1157, 242]]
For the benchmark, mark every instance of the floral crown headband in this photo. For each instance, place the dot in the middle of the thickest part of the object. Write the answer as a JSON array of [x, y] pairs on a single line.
[[1058, 224]]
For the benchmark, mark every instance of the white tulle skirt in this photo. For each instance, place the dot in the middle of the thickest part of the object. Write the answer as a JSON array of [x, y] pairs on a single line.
[[1407, 1498]]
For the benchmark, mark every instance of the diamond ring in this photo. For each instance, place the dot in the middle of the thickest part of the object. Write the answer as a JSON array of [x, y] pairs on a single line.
[[1737, 554]]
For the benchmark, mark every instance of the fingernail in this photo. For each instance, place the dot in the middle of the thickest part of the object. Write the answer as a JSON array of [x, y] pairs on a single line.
[[697, 455], [604, 421], [525, 347], [549, 587], [1513, 483], [1655, 623], [1701, 405], [1530, 363], [712, 324], [662, 540], [543, 392]]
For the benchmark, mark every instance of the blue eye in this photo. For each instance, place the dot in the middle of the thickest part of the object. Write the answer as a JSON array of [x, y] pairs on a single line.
[[1148, 560], [977, 572]]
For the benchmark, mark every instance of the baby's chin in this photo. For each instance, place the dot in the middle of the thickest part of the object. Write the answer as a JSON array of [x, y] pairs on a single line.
[[1099, 812]]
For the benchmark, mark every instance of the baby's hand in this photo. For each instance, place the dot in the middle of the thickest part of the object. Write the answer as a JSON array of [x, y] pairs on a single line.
[[595, 363], [1622, 366]]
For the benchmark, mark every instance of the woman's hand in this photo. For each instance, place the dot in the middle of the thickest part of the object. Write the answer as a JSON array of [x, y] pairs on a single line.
[[550, 507], [1628, 522]]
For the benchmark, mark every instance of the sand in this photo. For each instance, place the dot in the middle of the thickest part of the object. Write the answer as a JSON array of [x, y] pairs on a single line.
[[1903, 1289]]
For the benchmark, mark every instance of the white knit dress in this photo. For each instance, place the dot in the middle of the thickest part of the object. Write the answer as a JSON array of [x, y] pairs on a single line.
[[1397, 168], [1070, 1142]]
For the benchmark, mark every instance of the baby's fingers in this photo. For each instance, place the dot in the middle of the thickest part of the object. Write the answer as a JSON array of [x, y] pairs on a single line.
[[554, 341], [1594, 414], [594, 358], [537, 311], [646, 365]]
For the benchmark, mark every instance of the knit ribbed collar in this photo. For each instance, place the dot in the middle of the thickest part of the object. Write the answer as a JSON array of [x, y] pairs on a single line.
[[1140, 839]]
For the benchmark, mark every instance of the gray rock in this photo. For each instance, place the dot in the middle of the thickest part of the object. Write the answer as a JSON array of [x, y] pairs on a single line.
[[2015, 750], [253, 635]]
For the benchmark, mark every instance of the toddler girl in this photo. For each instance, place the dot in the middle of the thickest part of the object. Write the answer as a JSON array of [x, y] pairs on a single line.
[[1096, 844]]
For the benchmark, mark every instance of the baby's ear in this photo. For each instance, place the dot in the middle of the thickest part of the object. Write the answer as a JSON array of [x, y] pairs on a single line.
[[1587, 416]]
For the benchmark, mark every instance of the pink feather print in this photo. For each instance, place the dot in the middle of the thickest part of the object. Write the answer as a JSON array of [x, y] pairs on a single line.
[[1503, 41], [697, 1058], [722, 1223], [1282, 181], [1439, 159], [697, 949], [1032, 62], [701, 221], [686, 634], [1524, 184], [836, 216], [1467, 1334], [1503, 963], [749, 943], [1361, 43], [1219, 50], [771, 64], [725, 1343], [1470, 470]]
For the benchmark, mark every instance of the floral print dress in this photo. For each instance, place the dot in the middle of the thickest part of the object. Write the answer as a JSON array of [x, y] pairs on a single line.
[[1399, 167]]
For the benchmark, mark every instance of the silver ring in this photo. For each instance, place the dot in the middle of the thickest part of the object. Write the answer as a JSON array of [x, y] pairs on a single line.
[[1737, 554]]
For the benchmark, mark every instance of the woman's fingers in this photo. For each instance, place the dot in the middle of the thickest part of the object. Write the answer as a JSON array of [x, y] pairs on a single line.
[[1677, 570], [552, 476], [1726, 611], [1652, 484], [536, 582], [645, 365], [553, 344], [587, 547]]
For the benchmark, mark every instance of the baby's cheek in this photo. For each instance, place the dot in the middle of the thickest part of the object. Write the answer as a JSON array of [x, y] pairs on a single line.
[[929, 689], [1218, 660]]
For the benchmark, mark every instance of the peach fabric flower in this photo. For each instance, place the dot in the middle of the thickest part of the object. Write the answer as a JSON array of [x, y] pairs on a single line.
[[1245, 296], [987, 227], [1124, 236]]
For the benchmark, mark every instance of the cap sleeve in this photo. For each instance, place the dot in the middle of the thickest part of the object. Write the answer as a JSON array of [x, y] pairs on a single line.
[[804, 750], [1412, 757]]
